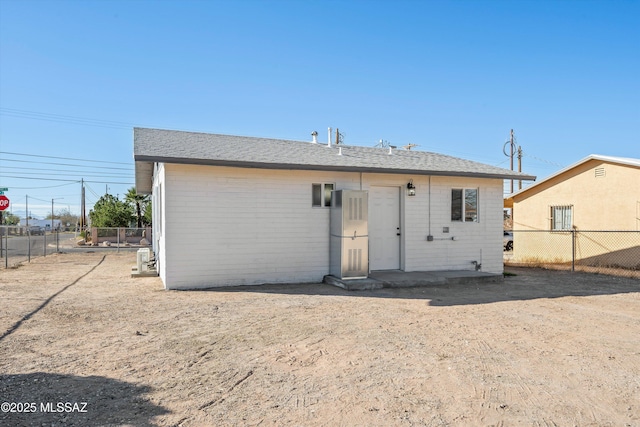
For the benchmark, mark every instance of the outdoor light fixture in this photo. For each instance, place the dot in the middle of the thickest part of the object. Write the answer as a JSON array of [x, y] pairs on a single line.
[[411, 189]]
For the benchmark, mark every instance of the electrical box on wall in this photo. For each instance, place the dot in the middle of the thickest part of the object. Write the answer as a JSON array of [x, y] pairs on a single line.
[[349, 240], [429, 238]]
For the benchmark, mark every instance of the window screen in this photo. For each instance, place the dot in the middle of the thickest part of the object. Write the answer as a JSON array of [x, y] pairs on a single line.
[[328, 188], [456, 205], [561, 217], [316, 195], [471, 205], [321, 195], [464, 204]]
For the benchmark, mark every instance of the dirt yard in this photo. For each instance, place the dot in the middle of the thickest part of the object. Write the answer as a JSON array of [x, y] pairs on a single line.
[[82, 343]]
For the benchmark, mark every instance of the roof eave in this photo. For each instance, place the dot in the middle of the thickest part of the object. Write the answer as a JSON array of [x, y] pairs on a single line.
[[336, 168], [144, 177]]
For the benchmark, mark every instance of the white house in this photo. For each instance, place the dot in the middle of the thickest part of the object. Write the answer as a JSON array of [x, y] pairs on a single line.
[[44, 223], [232, 210]]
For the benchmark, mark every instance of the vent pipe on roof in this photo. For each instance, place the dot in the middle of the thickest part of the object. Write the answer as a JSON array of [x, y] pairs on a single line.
[[314, 135], [339, 151], [390, 150], [329, 139]]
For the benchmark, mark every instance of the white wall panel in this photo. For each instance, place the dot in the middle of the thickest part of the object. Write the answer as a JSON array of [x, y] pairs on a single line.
[[227, 226]]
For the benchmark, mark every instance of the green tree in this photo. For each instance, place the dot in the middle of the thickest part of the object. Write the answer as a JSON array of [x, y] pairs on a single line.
[[111, 212], [66, 217], [10, 219], [140, 202], [146, 217]]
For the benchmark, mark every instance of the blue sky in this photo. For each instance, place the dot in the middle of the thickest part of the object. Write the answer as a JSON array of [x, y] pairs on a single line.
[[451, 76]]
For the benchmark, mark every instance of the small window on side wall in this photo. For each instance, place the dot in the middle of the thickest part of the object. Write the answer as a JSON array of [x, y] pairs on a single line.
[[561, 217], [321, 195], [464, 204]]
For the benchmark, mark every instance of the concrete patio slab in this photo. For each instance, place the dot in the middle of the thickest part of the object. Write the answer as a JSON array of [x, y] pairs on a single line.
[[402, 279]]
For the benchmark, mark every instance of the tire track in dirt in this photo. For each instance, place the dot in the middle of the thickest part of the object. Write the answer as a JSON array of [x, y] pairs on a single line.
[[46, 302], [507, 386], [223, 397]]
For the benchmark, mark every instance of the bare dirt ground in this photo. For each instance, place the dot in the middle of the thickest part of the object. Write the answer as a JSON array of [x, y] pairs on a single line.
[[544, 348]]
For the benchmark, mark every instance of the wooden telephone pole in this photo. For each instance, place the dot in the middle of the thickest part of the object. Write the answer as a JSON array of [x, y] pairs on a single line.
[[513, 149], [82, 207]]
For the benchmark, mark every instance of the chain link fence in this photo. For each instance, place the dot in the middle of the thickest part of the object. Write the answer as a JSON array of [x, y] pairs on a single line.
[[20, 244], [119, 236], [607, 252]]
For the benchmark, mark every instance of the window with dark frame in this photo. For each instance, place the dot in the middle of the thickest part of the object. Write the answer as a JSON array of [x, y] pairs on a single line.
[[321, 195], [464, 204]]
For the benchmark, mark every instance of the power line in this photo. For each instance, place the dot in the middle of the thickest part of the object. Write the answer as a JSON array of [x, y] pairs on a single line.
[[79, 175], [91, 190], [42, 188], [70, 172], [65, 164], [50, 117], [40, 200], [62, 158], [67, 180], [549, 162]]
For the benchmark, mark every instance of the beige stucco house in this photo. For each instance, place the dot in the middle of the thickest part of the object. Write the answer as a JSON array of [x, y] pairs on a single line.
[[598, 193]]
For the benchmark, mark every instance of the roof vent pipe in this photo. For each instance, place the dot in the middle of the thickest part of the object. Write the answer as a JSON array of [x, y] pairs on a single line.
[[339, 151], [390, 150], [314, 135], [329, 139]]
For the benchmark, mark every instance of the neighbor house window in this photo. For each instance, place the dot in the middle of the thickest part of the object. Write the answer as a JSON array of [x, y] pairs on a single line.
[[561, 217], [321, 195], [464, 204]]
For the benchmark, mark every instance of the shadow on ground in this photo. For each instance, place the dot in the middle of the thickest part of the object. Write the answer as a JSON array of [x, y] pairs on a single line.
[[525, 284], [53, 399]]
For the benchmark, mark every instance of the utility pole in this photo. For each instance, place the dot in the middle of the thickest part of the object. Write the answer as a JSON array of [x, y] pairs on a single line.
[[59, 198], [511, 151], [82, 204], [519, 166]]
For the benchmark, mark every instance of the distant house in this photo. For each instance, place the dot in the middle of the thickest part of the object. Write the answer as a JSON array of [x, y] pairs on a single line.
[[598, 193], [44, 223], [232, 210]]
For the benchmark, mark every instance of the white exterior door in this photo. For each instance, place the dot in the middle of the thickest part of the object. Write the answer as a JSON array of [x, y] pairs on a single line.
[[384, 228]]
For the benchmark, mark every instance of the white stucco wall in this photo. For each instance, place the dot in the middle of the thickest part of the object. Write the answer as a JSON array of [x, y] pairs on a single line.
[[223, 226], [158, 219], [473, 241]]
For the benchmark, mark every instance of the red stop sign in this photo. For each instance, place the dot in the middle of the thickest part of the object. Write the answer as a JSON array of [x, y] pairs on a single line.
[[4, 202]]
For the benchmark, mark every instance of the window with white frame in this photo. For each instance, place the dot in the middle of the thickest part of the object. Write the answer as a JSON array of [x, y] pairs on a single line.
[[561, 217], [464, 204], [321, 195]]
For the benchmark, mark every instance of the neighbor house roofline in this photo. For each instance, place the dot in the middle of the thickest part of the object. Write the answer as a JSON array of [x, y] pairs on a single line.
[[179, 147], [626, 161]]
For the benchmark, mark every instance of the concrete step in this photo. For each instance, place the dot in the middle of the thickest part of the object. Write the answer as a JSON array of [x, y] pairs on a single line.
[[401, 279]]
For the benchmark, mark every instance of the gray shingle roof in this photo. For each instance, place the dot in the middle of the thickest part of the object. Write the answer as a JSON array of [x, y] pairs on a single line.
[[169, 146]]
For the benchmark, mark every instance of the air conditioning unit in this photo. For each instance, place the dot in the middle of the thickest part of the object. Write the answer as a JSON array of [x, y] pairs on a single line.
[[144, 255]]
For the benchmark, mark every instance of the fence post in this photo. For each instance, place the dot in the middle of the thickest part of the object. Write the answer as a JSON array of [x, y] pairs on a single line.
[[6, 245], [573, 250], [118, 251], [29, 244], [2, 230], [44, 240], [57, 240]]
